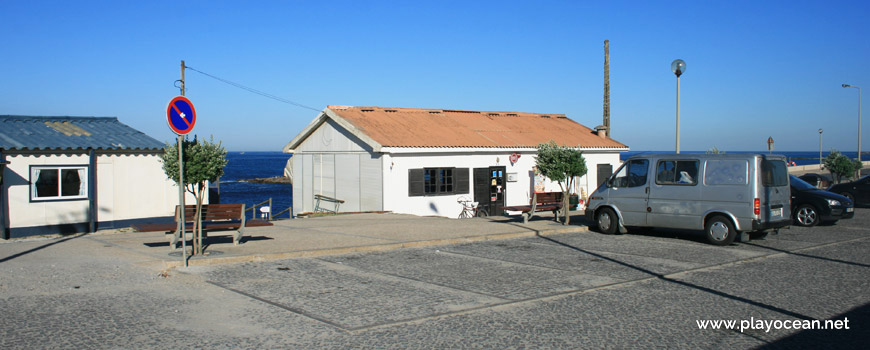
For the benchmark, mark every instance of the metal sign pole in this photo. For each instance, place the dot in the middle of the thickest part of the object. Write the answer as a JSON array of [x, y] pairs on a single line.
[[181, 224]]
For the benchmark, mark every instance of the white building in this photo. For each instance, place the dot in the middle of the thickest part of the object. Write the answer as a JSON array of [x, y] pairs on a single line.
[[79, 174], [420, 161]]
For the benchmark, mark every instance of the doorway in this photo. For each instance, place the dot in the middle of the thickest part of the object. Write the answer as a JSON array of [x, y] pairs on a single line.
[[490, 188]]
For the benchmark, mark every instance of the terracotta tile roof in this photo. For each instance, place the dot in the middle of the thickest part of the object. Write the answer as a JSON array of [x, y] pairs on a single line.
[[419, 127]]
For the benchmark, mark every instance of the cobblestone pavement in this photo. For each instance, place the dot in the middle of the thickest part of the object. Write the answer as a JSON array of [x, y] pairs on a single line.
[[645, 289]]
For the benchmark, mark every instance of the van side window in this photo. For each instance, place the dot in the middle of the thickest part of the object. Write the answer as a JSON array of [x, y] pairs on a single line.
[[631, 174], [677, 172], [726, 172]]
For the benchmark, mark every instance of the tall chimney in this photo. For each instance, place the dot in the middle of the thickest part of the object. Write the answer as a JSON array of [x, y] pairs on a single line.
[[607, 88]]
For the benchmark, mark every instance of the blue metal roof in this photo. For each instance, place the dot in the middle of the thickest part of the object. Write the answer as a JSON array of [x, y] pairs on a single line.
[[47, 133]]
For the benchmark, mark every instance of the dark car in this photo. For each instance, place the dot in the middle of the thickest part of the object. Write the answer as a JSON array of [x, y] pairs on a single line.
[[811, 205], [817, 180], [858, 191]]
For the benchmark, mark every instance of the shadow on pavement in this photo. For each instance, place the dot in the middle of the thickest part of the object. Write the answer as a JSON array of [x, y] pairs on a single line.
[[852, 338], [683, 283], [808, 256], [215, 240], [37, 248]]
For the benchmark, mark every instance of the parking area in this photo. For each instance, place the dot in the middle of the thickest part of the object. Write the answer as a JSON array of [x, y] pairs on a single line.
[[568, 290]]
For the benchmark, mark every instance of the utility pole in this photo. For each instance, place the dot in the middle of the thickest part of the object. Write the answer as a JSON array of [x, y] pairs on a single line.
[[607, 88], [181, 224]]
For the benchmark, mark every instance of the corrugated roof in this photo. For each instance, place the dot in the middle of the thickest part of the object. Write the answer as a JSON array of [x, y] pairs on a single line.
[[420, 127], [47, 133]]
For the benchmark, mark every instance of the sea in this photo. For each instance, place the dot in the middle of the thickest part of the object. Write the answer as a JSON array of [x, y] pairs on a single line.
[[255, 165], [252, 165]]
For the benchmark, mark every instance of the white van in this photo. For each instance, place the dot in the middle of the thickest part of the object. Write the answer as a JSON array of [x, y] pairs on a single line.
[[726, 195]]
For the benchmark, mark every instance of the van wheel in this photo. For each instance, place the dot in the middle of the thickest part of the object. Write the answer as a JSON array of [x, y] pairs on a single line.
[[806, 215], [607, 221], [720, 230]]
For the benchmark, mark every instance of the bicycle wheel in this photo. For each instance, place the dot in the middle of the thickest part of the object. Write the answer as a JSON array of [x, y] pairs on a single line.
[[464, 214], [481, 213]]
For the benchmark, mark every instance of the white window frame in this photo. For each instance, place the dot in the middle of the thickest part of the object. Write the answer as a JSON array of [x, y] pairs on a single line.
[[83, 187]]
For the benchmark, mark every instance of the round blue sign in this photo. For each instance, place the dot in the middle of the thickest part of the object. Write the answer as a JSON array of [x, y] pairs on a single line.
[[180, 115]]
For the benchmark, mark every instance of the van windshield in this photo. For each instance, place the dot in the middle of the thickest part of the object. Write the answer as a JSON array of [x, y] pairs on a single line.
[[773, 173]]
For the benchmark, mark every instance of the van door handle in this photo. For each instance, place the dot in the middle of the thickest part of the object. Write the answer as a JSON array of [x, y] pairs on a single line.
[[646, 190]]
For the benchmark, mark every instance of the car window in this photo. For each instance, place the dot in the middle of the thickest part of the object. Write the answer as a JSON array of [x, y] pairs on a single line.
[[773, 173], [799, 184], [677, 172], [726, 172], [631, 174]]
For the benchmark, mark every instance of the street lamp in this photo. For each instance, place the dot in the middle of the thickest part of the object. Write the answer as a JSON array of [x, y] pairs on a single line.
[[859, 117], [820, 149], [678, 66]]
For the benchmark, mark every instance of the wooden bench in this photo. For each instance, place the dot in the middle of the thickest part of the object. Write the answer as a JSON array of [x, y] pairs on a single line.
[[542, 201], [321, 198], [214, 217]]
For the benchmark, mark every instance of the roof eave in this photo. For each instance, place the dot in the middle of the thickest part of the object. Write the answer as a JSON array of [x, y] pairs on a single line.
[[321, 118]]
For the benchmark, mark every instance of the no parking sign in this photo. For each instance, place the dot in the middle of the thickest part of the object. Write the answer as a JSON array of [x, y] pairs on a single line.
[[180, 115]]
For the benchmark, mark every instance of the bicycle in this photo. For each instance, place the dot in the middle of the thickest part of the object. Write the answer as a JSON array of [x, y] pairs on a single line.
[[470, 209]]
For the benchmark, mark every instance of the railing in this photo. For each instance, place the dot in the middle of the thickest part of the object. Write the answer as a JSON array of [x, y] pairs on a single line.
[[267, 214]]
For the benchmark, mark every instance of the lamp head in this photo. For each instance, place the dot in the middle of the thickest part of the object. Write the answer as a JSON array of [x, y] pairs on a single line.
[[846, 85], [678, 66], [820, 131]]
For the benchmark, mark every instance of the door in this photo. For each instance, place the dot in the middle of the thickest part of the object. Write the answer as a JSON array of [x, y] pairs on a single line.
[[604, 172], [490, 188], [675, 195], [629, 192]]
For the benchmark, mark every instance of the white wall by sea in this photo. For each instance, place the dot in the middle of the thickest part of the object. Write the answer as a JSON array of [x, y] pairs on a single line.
[[130, 186]]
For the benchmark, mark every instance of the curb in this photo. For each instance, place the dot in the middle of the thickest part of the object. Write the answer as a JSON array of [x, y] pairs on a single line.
[[371, 248]]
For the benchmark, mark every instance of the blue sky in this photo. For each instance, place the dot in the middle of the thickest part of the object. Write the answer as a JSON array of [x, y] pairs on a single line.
[[754, 68]]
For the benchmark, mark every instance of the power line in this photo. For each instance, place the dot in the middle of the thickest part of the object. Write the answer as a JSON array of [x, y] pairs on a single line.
[[258, 92]]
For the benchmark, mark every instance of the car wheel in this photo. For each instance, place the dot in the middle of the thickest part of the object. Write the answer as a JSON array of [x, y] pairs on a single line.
[[720, 230], [806, 215], [607, 221], [850, 196]]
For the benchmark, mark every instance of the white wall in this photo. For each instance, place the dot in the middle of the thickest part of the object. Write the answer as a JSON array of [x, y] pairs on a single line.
[[396, 168], [129, 187]]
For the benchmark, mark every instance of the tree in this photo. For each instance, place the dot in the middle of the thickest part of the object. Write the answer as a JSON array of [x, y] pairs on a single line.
[[715, 150], [203, 162], [561, 164], [841, 166]]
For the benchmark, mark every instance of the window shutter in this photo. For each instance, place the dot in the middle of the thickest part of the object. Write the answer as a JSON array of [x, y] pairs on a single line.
[[415, 182], [460, 176]]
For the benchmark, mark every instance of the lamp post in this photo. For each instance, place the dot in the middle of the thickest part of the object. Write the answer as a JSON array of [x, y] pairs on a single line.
[[820, 149], [859, 117], [678, 66]]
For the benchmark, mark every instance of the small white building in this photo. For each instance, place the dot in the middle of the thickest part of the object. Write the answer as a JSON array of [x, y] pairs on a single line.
[[421, 161], [79, 174]]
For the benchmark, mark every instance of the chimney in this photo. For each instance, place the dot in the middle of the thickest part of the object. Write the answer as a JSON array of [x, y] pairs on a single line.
[[601, 130]]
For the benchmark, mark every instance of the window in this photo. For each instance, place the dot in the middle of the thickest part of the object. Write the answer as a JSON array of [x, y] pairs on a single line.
[[58, 182], [773, 173], [726, 172], [631, 174], [437, 181], [677, 172]]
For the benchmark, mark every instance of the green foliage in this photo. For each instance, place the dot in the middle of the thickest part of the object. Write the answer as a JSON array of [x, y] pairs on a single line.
[[715, 150], [203, 161], [841, 166], [561, 164]]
